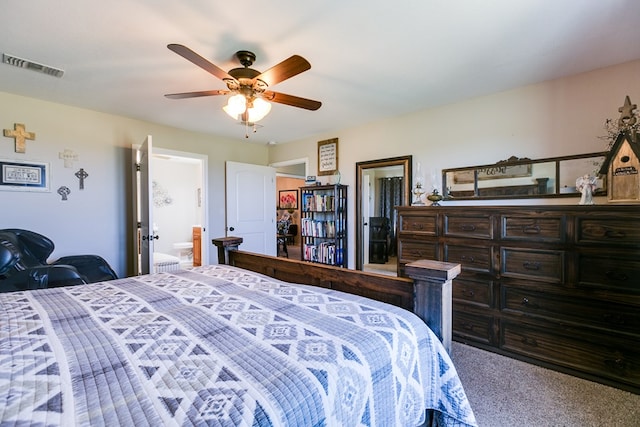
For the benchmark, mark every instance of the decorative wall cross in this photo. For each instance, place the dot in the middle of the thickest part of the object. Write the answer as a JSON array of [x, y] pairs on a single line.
[[69, 157], [64, 192], [81, 174], [19, 135]]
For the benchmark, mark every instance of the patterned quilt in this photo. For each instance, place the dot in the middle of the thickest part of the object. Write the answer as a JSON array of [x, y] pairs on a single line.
[[219, 346]]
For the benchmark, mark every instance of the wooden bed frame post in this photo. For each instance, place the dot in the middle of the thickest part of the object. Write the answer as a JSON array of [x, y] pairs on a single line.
[[224, 245], [432, 283]]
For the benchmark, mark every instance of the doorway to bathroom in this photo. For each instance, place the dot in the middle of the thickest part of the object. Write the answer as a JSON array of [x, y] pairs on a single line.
[[179, 204]]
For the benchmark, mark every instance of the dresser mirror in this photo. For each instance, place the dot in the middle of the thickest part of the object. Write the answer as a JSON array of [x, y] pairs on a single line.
[[523, 178]]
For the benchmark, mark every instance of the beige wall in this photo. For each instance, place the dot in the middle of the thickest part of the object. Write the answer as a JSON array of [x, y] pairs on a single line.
[[554, 118], [98, 219]]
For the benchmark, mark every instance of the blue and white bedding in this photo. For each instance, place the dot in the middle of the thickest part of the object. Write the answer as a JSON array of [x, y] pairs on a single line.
[[221, 346]]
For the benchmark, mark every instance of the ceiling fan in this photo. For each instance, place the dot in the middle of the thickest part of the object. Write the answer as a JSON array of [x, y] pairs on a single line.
[[249, 87]]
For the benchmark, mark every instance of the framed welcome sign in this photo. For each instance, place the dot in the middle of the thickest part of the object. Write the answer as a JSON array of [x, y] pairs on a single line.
[[24, 176], [328, 156]]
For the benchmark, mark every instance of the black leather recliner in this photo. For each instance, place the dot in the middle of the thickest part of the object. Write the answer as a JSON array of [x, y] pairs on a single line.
[[23, 264]]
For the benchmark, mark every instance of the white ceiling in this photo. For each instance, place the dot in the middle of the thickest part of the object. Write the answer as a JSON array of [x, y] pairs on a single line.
[[370, 59]]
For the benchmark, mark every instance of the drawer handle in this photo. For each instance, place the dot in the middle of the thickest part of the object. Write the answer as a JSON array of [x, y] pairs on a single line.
[[468, 227], [468, 293], [530, 265], [470, 259], [615, 234], [612, 275], [417, 226], [526, 302], [617, 365], [468, 326], [531, 229], [530, 341]]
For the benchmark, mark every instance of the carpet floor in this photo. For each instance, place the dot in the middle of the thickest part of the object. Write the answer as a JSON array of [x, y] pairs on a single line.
[[508, 392]]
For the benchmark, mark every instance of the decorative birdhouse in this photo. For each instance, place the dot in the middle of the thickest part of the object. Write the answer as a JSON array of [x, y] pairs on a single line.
[[622, 163]]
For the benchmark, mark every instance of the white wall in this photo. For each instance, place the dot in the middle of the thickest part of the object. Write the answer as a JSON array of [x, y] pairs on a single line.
[[98, 219], [555, 118]]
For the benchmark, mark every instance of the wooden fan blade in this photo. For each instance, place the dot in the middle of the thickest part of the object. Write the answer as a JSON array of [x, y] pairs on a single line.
[[294, 101], [286, 69], [201, 62], [196, 94]]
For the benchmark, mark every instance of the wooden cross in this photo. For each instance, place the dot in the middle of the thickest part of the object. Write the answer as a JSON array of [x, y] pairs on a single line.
[[81, 174], [19, 135], [69, 157]]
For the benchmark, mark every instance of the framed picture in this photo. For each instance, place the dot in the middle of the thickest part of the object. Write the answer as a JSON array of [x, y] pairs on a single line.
[[24, 176], [288, 199], [493, 172], [328, 156]]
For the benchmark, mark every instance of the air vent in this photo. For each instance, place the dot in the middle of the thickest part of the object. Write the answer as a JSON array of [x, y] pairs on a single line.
[[30, 65]]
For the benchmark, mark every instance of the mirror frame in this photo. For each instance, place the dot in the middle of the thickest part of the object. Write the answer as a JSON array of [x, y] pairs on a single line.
[[406, 162], [520, 162]]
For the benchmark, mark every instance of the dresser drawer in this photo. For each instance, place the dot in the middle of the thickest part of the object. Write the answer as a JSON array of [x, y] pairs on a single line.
[[425, 224], [413, 250], [618, 317], [473, 291], [603, 355], [472, 258], [533, 228], [472, 226], [532, 264], [610, 271], [610, 231], [475, 327]]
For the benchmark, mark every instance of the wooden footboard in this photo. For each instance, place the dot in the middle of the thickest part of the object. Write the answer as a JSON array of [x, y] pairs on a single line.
[[427, 293]]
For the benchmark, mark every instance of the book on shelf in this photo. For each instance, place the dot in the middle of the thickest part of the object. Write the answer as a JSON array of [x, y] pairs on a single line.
[[318, 202], [317, 228], [324, 252]]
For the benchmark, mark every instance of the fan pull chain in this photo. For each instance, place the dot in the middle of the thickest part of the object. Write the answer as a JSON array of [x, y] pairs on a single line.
[[246, 129]]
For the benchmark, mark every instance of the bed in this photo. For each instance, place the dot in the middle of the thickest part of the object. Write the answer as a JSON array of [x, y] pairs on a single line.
[[220, 345]]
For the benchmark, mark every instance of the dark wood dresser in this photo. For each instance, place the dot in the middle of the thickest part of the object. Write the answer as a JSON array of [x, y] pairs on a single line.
[[558, 286]]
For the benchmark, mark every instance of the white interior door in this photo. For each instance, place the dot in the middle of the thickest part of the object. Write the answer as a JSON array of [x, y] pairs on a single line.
[[251, 206], [144, 235]]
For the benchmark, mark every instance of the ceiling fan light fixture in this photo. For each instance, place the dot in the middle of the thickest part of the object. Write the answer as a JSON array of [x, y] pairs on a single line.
[[259, 110], [250, 100], [236, 105]]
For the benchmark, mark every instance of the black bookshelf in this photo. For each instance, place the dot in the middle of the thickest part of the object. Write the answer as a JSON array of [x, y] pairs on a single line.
[[323, 224]]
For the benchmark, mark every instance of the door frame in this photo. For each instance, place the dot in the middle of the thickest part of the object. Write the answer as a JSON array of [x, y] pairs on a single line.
[[406, 162], [204, 191], [304, 160]]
